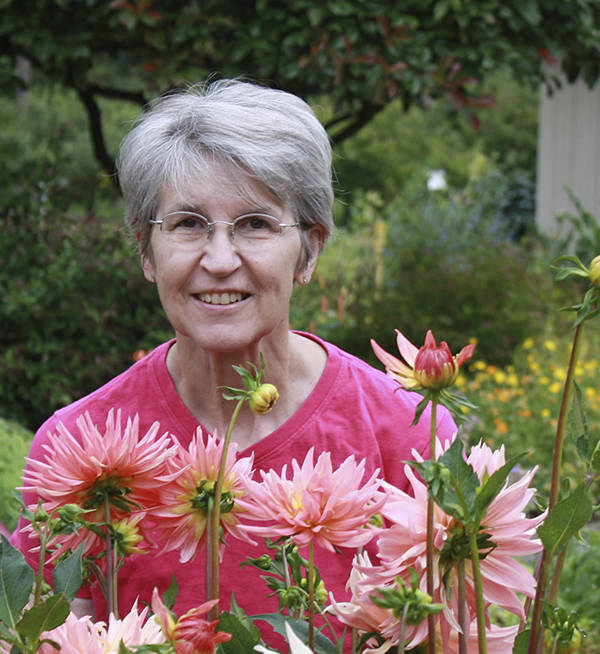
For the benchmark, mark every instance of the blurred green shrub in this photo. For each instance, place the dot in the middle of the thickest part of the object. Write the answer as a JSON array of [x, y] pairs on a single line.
[[385, 155], [14, 445], [445, 261], [580, 585], [518, 404], [75, 306]]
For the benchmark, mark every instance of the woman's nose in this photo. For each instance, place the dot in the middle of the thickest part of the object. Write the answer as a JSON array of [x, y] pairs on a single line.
[[219, 252]]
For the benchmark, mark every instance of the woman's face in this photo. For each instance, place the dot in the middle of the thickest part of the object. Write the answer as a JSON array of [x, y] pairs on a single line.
[[219, 293]]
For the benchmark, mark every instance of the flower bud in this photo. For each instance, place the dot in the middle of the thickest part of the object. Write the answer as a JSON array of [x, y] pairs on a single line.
[[127, 536], [263, 399], [595, 271], [435, 367]]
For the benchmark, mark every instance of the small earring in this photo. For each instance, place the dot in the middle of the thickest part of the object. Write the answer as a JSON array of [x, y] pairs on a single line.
[[305, 280]]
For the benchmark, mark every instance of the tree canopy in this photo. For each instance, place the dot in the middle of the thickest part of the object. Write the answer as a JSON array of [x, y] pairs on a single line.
[[361, 54]]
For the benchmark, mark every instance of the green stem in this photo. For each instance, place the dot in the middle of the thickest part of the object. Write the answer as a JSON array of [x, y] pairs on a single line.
[[556, 575], [311, 596], [462, 608], [562, 417], [481, 637], [214, 518], [430, 504], [401, 643], [39, 579], [536, 618], [111, 581]]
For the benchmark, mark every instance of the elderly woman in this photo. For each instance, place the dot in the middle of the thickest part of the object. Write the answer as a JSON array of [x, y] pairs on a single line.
[[228, 192]]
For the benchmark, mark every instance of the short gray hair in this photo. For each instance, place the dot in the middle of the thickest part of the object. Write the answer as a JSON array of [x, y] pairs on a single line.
[[273, 134]]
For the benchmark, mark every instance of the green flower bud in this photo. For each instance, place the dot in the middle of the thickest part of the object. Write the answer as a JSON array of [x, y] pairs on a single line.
[[595, 271], [263, 399]]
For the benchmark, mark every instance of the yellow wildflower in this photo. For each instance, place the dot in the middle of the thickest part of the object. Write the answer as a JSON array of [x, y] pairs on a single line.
[[512, 380], [528, 343], [555, 387], [550, 345]]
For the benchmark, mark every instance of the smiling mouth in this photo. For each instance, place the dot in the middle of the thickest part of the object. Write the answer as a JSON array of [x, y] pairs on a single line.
[[222, 298]]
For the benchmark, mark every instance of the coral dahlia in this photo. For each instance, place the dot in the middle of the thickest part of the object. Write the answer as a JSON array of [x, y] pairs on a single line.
[[185, 502], [317, 503], [115, 465]]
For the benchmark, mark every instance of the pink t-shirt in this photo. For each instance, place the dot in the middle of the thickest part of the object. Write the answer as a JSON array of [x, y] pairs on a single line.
[[353, 409]]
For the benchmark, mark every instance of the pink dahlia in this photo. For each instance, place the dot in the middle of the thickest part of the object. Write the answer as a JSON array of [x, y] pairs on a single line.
[[317, 503], [83, 636], [431, 367], [184, 502], [116, 464], [361, 613], [506, 533]]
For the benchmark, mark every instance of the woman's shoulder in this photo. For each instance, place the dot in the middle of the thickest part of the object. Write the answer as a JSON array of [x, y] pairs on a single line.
[[356, 375], [130, 391]]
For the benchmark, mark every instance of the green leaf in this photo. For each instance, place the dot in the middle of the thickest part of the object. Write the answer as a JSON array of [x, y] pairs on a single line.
[[595, 457], [521, 643], [238, 612], [490, 488], [170, 595], [43, 617], [67, 576], [243, 640], [588, 310], [322, 644], [16, 581], [464, 480], [564, 520]]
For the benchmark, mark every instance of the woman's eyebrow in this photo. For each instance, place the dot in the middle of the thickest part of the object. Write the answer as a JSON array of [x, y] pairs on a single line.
[[249, 208]]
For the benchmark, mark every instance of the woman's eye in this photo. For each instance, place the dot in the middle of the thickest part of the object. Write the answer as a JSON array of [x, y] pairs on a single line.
[[257, 224], [189, 223]]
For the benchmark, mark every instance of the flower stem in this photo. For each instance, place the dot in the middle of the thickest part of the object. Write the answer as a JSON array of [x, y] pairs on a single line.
[[536, 626], [311, 596], [111, 573], [462, 608], [402, 642], [481, 637], [430, 572], [214, 518], [39, 579]]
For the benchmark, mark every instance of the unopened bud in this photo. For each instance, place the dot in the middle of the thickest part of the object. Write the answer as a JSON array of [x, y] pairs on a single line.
[[263, 399], [595, 271]]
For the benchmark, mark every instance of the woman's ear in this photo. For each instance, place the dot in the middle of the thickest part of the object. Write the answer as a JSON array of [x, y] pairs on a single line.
[[147, 261], [315, 238]]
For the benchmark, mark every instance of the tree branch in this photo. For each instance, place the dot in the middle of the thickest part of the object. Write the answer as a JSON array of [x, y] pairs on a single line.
[[95, 122], [359, 121], [118, 94]]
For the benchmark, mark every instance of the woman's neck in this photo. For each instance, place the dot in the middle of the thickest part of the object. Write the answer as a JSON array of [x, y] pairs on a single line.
[[293, 364]]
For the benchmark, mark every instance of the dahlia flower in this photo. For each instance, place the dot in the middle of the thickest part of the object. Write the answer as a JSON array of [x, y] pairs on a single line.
[[361, 613], [191, 633], [116, 465], [83, 636], [184, 503], [505, 533], [317, 503], [431, 367]]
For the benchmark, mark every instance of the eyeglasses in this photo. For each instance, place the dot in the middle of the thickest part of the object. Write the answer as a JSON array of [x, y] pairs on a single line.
[[249, 229]]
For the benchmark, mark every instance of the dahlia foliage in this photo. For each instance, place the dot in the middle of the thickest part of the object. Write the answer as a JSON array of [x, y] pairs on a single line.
[[435, 565]]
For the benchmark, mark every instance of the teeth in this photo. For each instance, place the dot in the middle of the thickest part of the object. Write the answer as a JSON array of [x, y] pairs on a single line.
[[220, 298]]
